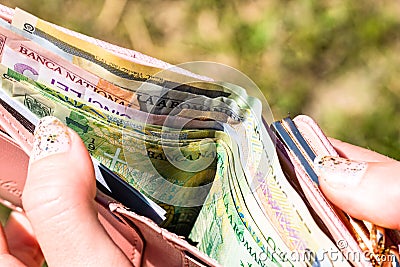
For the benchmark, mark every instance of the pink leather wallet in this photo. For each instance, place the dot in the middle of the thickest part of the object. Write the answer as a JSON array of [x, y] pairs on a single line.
[[358, 239]]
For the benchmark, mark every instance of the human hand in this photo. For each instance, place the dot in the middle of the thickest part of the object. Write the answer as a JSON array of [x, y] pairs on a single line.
[[366, 187], [58, 199]]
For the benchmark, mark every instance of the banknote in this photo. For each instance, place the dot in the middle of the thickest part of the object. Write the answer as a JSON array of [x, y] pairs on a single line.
[[242, 100], [7, 14], [29, 59], [220, 230], [177, 121], [208, 89], [81, 48], [148, 164], [263, 232], [22, 16], [211, 89], [119, 118], [43, 101], [281, 203], [202, 86], [161, 178]]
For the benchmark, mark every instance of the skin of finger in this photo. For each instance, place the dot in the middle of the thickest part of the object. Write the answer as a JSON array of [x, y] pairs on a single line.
[[58, 199], [3, 242], [353, 152], [374, 199], [6, 259], [21, 241]]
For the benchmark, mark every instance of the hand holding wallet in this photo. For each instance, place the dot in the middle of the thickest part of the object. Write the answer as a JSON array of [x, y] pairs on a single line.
[[141, 240], [375, 242], [369, 170]]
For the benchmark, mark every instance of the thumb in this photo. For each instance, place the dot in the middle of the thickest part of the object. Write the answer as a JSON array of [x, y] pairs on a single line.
[[365, 190], [58, 199]]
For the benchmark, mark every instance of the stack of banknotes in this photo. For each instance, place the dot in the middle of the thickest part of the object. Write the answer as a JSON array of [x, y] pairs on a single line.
[[196, 146]]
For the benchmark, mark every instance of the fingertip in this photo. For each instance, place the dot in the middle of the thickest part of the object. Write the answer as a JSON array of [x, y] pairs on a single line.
[[58, 199], [55, 171], [373, 198]]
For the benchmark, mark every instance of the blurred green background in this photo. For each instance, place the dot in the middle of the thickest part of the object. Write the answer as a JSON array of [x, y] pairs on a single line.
[[335, 60]]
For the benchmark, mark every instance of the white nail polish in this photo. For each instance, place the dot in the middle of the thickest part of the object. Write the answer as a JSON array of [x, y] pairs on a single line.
[[340, 172], [51, 137]]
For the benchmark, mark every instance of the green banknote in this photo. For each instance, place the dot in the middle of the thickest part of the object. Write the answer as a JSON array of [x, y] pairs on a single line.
[[140, 159], [220, 230]]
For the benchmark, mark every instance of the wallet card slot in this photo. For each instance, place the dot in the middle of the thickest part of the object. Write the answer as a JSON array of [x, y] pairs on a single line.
[[292, 145], [24, 115], [338, 226], [299, 137], [17, 115], [127, 195]]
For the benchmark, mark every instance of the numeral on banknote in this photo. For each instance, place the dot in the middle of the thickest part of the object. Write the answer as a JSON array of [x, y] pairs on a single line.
[[29, 27]]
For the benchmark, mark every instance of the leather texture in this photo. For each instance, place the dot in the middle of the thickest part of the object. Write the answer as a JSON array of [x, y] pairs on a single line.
[[13, 167]]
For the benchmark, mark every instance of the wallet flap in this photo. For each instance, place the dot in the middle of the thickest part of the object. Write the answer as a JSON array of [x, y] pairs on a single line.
[[16, 131], [13, 166], [177, 251]]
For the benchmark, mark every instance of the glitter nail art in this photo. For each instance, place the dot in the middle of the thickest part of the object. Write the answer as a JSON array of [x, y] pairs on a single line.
[[339, 171], [51, 137]]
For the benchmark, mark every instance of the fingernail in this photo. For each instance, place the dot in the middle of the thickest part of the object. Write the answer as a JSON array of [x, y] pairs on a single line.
[[51, 137], [340, 172]]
